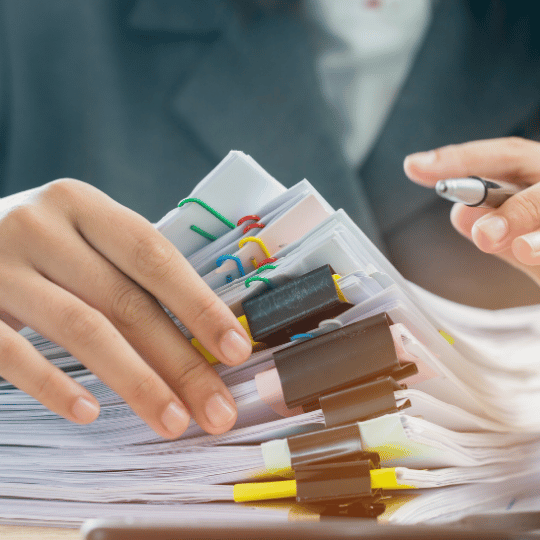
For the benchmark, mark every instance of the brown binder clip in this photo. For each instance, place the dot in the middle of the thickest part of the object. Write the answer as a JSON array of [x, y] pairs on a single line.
[[346, 357], [335, 482], [341, 443], [362, 402]]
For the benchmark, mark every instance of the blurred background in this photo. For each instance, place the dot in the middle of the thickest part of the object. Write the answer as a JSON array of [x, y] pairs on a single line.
[[142, 98]]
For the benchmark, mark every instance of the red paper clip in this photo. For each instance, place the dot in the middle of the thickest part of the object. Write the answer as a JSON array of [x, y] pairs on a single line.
[[270, 260], [247, 218], [253, 226]]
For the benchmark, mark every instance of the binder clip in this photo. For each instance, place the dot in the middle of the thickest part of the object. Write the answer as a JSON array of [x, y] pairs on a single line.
[[349, 357], [342, 443], [364, 508], [335, 482], [364, 401], [294, 308]]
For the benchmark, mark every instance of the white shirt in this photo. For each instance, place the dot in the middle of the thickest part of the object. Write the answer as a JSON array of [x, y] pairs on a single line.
[[364, 64]]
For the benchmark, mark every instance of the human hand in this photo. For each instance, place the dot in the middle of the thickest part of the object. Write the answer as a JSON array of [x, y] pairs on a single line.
[[512, 231], [86, 273]]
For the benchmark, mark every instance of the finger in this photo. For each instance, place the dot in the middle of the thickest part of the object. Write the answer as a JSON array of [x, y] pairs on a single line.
[[134, 246], [25, 368], [11, 321], [463, 219], [526, 248], [512, 158], [88, 335], [518, 216], [142, 321]]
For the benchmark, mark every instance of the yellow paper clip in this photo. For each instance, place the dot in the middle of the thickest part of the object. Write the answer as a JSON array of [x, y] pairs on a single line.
[[261, 245]]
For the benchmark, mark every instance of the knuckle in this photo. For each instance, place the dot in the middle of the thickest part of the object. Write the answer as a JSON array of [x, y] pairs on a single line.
[[10, 354], [145, 390], [513, 150], [204, 311], [63, 189], [516, 143], [130, 306], [47, 385], [24, 219], [153, 258], [191, 374], [82, 326], [525, 209]]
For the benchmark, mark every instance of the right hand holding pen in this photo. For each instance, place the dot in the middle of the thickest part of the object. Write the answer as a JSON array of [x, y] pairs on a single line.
[[512, 231], [86, 273]]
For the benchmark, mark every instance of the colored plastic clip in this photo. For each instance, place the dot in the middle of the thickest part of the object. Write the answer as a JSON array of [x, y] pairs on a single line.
[[215, 213], [265, 262], [355, 354], [207, 235], [293, 308], [258, 241], [248, 281], [222, 258], [247, 218], [265, 267], [253, 226], [298, 337]]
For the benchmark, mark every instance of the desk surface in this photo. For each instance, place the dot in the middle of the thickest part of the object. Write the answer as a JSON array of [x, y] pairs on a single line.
[[37, 533]]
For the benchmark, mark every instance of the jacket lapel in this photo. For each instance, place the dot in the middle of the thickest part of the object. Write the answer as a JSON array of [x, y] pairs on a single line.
[[475, 77], [256, 91]]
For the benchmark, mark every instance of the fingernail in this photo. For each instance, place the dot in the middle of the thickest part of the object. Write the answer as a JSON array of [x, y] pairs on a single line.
[[84, 410], [494, 229], [219, 411], [175, 419], [421, 160], [235, 347], [532, 240]]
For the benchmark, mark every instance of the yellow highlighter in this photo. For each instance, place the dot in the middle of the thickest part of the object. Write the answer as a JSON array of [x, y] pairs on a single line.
[[260, 491]]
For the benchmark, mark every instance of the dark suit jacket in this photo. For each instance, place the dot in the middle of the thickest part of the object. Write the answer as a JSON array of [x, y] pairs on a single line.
[[142, 98]]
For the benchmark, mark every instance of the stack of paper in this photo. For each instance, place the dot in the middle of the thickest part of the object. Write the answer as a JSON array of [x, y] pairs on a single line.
[[456, 425]]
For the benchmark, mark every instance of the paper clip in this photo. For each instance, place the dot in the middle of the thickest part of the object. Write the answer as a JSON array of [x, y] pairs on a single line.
[[264, 262], [222, 258], [208, 208], [258, 278], [203, 233], [265, 267], [302, 337], [258, 241], [253, 226], [247, 218]]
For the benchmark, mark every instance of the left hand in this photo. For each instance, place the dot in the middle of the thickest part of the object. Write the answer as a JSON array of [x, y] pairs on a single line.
[[512, 231]]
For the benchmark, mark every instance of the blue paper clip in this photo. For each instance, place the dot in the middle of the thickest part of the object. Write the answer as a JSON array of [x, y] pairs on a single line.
[[222, 258]]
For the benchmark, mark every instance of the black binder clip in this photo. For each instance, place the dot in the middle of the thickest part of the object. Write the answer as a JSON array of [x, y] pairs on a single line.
[[354, 355], [298, 306]]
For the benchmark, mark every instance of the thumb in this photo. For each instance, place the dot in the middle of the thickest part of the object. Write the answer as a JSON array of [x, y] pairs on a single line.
[[463, 219]]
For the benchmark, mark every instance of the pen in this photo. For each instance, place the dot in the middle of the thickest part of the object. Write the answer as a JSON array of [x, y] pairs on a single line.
[[476, 191]]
